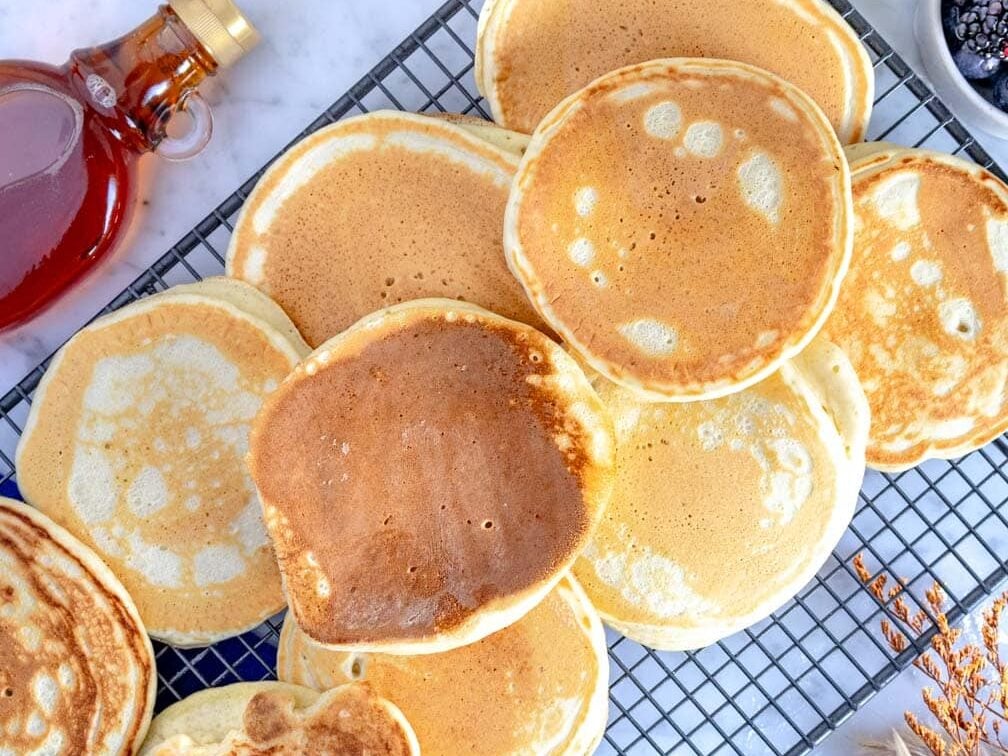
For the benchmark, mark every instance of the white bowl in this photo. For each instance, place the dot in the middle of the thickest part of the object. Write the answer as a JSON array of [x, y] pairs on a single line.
[[952, 86]]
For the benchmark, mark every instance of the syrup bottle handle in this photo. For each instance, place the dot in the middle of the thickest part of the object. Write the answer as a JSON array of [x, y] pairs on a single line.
[[200, 130]]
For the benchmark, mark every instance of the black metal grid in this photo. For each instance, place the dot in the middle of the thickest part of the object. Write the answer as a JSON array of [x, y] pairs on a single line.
[[784, 684]]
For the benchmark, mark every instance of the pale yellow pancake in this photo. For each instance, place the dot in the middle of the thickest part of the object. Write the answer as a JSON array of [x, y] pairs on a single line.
[[530, 54], [724, 509], [427, 477], [274, 719], [380, 209], [684, 225], [509, 141], [539, 686], [924, 311], [136, 444], [77, 670]]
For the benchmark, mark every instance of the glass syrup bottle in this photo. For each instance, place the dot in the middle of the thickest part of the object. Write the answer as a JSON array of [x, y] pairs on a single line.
[[71, 138]]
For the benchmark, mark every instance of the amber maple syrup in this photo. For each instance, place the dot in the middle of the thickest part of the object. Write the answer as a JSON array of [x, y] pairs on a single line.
[[71, 138]]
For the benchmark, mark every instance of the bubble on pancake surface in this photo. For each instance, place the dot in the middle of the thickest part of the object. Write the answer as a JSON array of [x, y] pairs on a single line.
[[790, 480], [651, 336], [147, 494], [159, 566], [648, 579], [663, 120], [704, 139], [785, 463], [959, 318], [585, 200], [761, 185], [581, 251], [997, 242], [895, 200], [900, 251], [926, 272]]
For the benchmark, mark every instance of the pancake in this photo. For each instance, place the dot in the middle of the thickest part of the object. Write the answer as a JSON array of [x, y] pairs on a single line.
[[376, 210], [539, 686], [724, 509], [76, 668], [427, 476], [509, 141], [136, 443], [924, 314], [531, 54], [256, 719], [684, 225]]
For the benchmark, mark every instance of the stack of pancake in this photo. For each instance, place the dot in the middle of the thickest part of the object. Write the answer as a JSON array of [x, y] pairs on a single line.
[[472, 389]]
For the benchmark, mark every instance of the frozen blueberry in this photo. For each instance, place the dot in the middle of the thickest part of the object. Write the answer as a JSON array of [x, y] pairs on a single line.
[[975, 67], [1000, 94]]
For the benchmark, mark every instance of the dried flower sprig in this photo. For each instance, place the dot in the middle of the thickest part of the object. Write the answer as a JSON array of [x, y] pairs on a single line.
[[970, 697]]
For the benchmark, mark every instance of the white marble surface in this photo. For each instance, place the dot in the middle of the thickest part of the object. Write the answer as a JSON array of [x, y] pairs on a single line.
[[313, 50]]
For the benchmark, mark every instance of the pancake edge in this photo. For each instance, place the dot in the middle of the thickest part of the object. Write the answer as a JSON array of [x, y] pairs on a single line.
[[514, 142]]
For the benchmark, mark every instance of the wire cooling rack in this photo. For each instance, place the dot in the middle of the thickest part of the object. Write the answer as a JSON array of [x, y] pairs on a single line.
[[784, 684]]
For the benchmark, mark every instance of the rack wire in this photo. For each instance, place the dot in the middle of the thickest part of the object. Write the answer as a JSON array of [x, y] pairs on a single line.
[[779, 687]]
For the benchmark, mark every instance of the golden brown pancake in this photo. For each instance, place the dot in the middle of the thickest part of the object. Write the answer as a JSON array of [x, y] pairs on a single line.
[[924, 312], [724, 509], [271, 718], [136, 444], [684, 225], [76, 668], [539, 686], [427, 476], [530, 54], [376, 210]]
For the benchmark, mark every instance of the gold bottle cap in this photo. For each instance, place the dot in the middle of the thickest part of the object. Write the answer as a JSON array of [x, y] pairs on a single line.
[[219, 26]]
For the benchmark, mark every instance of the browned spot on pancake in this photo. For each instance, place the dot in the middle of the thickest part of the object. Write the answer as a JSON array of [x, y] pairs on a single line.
[[80, 625], [388, 483], [358, 724], [347, 721], [267, 717], [547, 50]]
